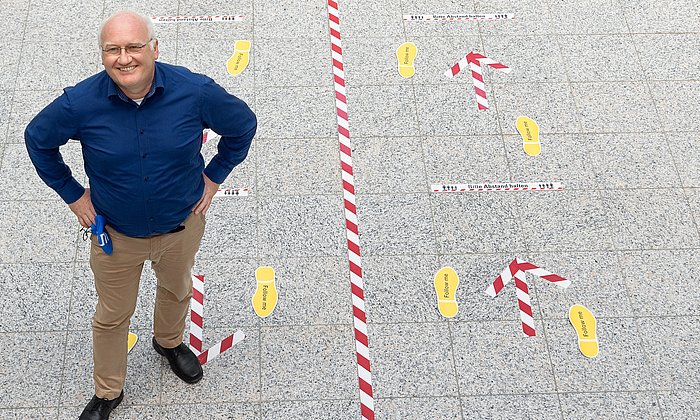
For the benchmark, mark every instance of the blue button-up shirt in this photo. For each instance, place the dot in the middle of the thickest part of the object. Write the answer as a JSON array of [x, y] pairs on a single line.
[[143, 162]]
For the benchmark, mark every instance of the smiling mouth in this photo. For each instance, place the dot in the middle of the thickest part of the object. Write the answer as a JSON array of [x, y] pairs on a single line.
[[126, 69]]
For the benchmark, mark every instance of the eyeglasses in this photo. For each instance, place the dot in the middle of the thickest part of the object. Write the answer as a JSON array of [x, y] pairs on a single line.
[[130, 49]]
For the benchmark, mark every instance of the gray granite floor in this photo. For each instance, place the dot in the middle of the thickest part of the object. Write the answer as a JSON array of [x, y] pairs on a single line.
[[614, 86]]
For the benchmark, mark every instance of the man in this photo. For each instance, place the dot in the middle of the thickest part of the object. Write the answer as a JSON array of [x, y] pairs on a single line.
[[140, 126]]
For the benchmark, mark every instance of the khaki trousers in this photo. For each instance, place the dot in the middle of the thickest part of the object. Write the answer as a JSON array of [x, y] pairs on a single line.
[[117, 279]]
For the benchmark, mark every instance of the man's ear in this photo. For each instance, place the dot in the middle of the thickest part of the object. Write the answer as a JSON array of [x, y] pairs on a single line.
[[155, 48]]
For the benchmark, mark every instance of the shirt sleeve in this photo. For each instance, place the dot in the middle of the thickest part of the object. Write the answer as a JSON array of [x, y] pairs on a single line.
[[231, 118], [49, 130]]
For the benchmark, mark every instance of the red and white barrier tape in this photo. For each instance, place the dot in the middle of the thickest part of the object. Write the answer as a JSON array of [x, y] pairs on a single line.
[[231, 192], [197, 314], [351, 223], [197, 325], [499, 16], [498, 186], [200, 18], [516, 270], [475, 61]]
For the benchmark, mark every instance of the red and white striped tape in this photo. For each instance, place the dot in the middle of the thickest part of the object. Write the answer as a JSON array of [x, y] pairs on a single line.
[[197, 326], [498, 186], [197, 314], [516, 270], [200, 18], [351, 223], [474, 61], [498, 16]]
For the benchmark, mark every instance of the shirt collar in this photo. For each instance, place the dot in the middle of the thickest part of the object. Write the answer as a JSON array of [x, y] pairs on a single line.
[[113, 89]]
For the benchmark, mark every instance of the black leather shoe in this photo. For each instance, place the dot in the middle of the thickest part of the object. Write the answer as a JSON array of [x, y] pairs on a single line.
[[99, 409], [182, 361]]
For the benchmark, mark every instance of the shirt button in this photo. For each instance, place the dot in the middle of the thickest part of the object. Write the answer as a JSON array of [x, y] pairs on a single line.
[[150, 219], [141, 131], [145, 179], [144, 155]]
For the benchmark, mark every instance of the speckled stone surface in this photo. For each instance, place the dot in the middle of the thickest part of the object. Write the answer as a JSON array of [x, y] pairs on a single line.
[[614, 87]]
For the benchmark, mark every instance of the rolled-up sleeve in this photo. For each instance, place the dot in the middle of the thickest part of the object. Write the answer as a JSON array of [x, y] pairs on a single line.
[[45, 134], [231, 118]]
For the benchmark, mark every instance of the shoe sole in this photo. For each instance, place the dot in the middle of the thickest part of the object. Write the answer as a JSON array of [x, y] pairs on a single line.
[[176, 371]]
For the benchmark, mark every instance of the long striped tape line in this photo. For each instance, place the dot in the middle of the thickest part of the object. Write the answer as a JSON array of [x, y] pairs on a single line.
[[232, 192], [524, 305], [199, 18], [497, 16], [197, 314], [479, 86], [214, 351], [499, 186], [544, 274], [504, 278], [351, 222]]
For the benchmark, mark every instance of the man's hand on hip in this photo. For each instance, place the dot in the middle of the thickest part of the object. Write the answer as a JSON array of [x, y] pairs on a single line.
[[83, 209], [210, 188]]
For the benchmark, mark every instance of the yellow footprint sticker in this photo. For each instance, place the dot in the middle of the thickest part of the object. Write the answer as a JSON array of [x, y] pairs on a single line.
[[133, 338], [585, 325], [265, 297], [239, 60], [446, 282], [530, 132], [405, 54]]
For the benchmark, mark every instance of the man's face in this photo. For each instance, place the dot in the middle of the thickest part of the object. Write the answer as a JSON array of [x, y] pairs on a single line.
[[133, 73]]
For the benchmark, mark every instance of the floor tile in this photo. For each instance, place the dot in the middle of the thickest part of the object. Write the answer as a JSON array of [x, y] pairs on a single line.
[[672, 99], [234, 376], [563, 220], [385, 165], [512, 406], [680, 404], [489, 358], [662, 282], [382, 111], [620, 365], [671, 348], [29, 413], [292, 62], [650, 219], [229, 284], [563, 157], [531, 58], [400, 288], [21, 217], [476, 222], [530, 17], [669, 56], [685, 149], [75, 20], [597, 282], [451, 110], [629, 160], [319, 409], [406, 367], [279, 114], [615, 107], [298, 361], [298, 166], [367, 18], [27, 288], [301, 226], [225, 411], [610, 405], [549, 104], [599, 58], [395, 224], [35, 73], [418, 408], [10, 50], [209, 56], [224, 238], [20, 181], [33, 360], [462, 159], [372, 61], [597, 16], [310, 19], [15, 14], [312, 291], [669, 16]]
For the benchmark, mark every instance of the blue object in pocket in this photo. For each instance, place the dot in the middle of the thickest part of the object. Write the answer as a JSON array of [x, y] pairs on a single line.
[[103, 239]]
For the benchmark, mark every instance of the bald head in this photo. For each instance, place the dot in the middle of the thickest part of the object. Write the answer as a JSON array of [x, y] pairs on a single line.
[[126, 18]]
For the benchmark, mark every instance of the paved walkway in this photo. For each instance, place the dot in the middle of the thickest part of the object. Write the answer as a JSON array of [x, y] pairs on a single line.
[[614, 86]]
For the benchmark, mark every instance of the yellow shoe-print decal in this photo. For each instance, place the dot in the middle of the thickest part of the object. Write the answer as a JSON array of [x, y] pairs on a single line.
[[446, 282], [405, 54], [585, 325], [239, 60], [133, 338], [265, 297], [530, 132]]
